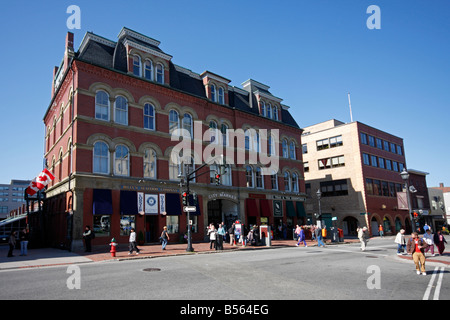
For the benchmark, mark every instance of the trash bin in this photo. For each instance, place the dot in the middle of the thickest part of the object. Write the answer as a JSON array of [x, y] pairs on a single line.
[[341, 235], [334, 234]]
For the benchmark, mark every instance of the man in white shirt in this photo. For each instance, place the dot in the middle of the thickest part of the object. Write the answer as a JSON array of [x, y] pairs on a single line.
[[132, 242]]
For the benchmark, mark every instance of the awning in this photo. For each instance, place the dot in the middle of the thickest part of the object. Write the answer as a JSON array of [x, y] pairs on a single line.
[[128, 202], [102, 201], [173, 204], [300, 209], [250, 207], [265, 208], [290, 211], [11, 220]]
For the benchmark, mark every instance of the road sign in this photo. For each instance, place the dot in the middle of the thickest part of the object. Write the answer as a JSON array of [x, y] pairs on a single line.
[[189, 209]]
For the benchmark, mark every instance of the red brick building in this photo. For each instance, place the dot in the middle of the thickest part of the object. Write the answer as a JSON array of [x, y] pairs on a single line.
[[108, 141]]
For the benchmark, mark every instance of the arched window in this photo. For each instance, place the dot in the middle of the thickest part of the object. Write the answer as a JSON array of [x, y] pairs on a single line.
[[259, 178], [121, 110], [249, 176], [160, 73], [294, 182], [269, 111], [150, 163], [270, 145], [101, 158], [102, 106], [287, 181], [187, 123], [247, 140], [263, 109], [285, 148], [121, 161], [148, 70], [137, 65], [213, 93], [149, 116], [221, 96], [292, 150], [274, 180], [275, 113], [224, 130], [213, 133], [174, 121]]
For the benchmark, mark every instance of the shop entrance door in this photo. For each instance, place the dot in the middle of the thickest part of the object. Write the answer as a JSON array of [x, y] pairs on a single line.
[[151, 229]]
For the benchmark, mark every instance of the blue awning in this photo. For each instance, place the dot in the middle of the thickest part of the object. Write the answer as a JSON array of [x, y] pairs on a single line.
[[102, 201], [173, 204], [128, 202]]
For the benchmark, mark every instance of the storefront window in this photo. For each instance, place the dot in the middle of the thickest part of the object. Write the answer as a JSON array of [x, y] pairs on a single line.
[[126, 223], [102, 225], [172, 223]]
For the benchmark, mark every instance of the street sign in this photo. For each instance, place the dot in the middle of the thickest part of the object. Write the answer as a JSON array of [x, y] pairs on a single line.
[[189, 209]]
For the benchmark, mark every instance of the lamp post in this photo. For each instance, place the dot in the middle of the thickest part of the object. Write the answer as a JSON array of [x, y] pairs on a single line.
[[319, 218], [405, 176]]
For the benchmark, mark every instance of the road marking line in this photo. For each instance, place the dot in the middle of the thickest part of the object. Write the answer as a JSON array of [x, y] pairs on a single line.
[[430, 284], [438, 285]]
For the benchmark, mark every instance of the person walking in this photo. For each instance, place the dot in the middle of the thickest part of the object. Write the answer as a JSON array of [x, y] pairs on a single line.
[[23, 238], [416, 247], [297, 231], [301, 237], [132, 245], [231, 233], [212, 233], [87, 236], [401, 242], [164, 238], [318, 233], [429, 239], [439, 240], [362, 236], [313, 233], [12, 244], [381, 231], [221, 234]]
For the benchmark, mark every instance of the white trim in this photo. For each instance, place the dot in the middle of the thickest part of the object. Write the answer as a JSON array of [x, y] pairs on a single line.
[[134, 34], [90, 36], [128, 42]]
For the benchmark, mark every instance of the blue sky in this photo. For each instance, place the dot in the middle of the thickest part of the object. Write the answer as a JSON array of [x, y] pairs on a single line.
[[310, 52]]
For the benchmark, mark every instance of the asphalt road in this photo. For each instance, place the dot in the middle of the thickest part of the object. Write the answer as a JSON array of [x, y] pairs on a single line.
[[340, 272]]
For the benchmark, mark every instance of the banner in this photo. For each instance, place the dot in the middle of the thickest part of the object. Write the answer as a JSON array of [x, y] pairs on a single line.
[[140, 202], [162, 203], [151, 204], [402, 201]]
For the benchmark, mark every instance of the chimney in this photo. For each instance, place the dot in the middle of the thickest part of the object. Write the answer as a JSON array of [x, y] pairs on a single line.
[[55, 71], [441, 185], [68, 54]]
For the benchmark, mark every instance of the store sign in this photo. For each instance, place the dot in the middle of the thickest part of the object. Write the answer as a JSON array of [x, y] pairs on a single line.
[[151, 204], [222, 195], [277, 208], [140, 202]]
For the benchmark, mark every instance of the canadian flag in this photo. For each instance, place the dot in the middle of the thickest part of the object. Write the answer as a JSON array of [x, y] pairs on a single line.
[[40, 182]]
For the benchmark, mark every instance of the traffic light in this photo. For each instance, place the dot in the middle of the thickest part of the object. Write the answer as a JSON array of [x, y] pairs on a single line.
[[194, 199], [217, 179], [184, 196]]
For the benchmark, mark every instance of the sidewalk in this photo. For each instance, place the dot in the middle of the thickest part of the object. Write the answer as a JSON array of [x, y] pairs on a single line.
[[55, 257]]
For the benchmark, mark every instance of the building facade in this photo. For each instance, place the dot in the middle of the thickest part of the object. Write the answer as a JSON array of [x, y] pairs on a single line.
[[357, 170], [116, 107], [12, 196], [440, 200]]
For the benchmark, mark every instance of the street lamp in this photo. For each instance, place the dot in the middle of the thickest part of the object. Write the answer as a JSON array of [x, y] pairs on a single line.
[[319, 218], [405, 176]]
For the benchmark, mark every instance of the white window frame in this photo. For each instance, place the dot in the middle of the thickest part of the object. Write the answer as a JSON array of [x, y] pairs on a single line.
[[172, 121], [137, 65], [100, 157], [150, 118], [149, 153], [159, 73], [122, 161], [102, 106], [119, 111], [148, 70]]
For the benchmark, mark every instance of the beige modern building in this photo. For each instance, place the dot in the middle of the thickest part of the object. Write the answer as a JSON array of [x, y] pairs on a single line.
[[357, 170]]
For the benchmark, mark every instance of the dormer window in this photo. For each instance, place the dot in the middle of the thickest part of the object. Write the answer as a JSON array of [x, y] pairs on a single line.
[[160, 73], [213, 93], [148, 70], [263, 109], [137, 66], [269, 111], [275, 113], [221, 99]]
